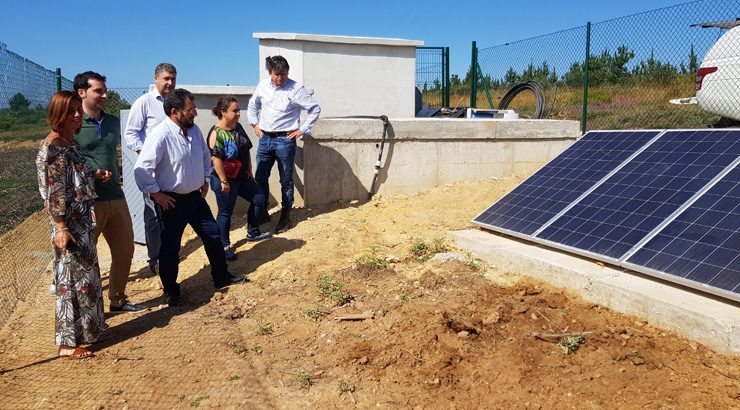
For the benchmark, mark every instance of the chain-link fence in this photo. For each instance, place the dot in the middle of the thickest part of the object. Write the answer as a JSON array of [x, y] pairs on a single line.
[[25, 91], [433, 76], [35, 83], [636, 65], [24, 230]]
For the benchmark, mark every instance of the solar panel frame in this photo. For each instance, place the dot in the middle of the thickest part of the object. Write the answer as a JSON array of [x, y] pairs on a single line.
[[634, 233], [596, 183], [672, 277]]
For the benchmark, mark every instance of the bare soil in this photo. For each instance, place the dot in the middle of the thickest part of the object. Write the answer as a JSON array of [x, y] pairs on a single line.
[[341, 312]]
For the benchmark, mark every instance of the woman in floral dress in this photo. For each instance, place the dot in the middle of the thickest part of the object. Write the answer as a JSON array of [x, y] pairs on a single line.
[[67, 187]]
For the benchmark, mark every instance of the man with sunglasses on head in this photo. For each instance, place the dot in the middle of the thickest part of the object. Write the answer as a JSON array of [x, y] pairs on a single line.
[[174, 168], [145, 113], [99, 138]]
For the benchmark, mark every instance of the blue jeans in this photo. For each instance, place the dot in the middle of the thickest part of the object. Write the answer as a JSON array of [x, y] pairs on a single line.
[[277, 147], [245, 188]]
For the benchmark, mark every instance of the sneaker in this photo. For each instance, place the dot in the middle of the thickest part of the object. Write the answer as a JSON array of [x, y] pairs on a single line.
[[258, 237], [230, 280], [230, 254], [128, 307]]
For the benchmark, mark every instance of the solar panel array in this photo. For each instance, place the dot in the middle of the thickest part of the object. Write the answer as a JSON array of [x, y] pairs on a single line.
[[563, 180], [665, 203]]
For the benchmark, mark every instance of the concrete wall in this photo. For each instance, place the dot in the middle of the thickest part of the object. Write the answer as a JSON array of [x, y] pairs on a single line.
[[350, 75], [419, 154]]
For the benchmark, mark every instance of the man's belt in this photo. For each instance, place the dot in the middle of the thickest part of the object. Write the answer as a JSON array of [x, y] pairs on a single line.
[[273, 134]]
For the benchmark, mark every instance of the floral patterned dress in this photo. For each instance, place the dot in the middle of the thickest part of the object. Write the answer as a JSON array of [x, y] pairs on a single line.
[[66, 186]]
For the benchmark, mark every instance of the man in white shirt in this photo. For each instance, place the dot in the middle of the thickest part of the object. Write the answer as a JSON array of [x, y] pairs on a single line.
[[274, 112], [173, 168], [145, 113]]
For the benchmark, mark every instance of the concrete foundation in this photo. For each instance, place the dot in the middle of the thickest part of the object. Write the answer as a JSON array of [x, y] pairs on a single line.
[[704, 318]]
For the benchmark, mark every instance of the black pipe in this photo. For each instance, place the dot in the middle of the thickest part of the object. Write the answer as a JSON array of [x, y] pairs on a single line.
[[533, 86], [380, 156]]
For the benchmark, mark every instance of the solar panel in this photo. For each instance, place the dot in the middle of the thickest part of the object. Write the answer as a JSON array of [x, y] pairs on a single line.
[[551, 189], [632, 202], [701, 246]]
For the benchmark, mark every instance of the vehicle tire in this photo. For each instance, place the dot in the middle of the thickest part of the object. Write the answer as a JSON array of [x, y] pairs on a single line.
[[725, 122]]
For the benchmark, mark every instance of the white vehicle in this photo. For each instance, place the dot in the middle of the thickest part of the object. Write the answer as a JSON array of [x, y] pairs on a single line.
[[718, 78]]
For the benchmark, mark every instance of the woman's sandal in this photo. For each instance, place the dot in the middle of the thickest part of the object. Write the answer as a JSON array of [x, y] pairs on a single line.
[[78, 353]]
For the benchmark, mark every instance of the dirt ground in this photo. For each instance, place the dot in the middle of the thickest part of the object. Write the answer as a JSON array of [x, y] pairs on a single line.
[[346, 311]]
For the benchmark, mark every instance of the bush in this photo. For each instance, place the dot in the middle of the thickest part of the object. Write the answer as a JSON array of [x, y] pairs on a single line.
[[18, 102], [5, 123]]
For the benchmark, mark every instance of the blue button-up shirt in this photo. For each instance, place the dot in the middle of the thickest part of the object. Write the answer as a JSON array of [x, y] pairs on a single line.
[[278, 109], [172, 162], [145, 113]]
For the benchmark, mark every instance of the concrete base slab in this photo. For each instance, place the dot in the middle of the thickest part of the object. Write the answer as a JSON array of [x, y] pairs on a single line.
[[704, 318]]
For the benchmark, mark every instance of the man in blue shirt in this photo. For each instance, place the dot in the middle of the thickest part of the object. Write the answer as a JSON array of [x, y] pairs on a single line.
[[145, 113], [174, 167], [274, 112]]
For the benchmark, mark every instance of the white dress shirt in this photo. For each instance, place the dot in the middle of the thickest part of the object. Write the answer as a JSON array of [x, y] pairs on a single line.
[[278, 109], [172, 162], [145, 113]]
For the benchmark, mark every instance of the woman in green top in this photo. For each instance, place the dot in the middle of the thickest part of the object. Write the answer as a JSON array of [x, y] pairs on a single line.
[[232, 173]]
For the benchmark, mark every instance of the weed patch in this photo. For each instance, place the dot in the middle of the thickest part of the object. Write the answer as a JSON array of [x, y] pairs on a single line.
[[371, 260], [315, 314], [423, 251], [571, 344], [196, 401], [332, 290], [263, 328], [303, 378], [473, 263]]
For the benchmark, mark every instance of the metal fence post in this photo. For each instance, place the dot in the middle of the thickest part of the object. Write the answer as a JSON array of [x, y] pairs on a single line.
[[473, 75], [585, 78], [59, 79], [446, 78]]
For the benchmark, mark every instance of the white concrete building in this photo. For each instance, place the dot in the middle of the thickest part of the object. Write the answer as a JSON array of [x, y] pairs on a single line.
[[350, 76]]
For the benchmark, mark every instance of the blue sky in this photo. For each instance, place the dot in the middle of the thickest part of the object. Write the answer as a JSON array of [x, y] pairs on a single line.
[[211, 42]]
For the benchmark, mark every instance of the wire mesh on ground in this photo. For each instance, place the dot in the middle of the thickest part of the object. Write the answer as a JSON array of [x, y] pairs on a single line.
[[636, 64]]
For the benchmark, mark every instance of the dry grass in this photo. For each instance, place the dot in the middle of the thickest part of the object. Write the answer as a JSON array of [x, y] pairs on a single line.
[[610, 106]]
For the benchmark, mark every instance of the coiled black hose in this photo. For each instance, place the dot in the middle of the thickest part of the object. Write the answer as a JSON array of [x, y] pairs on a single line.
[[539, 95]]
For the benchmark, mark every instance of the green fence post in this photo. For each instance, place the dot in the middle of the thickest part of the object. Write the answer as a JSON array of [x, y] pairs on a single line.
[[585, 78], [473, 75], [447, 77], [59, 79], [486, 87]]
